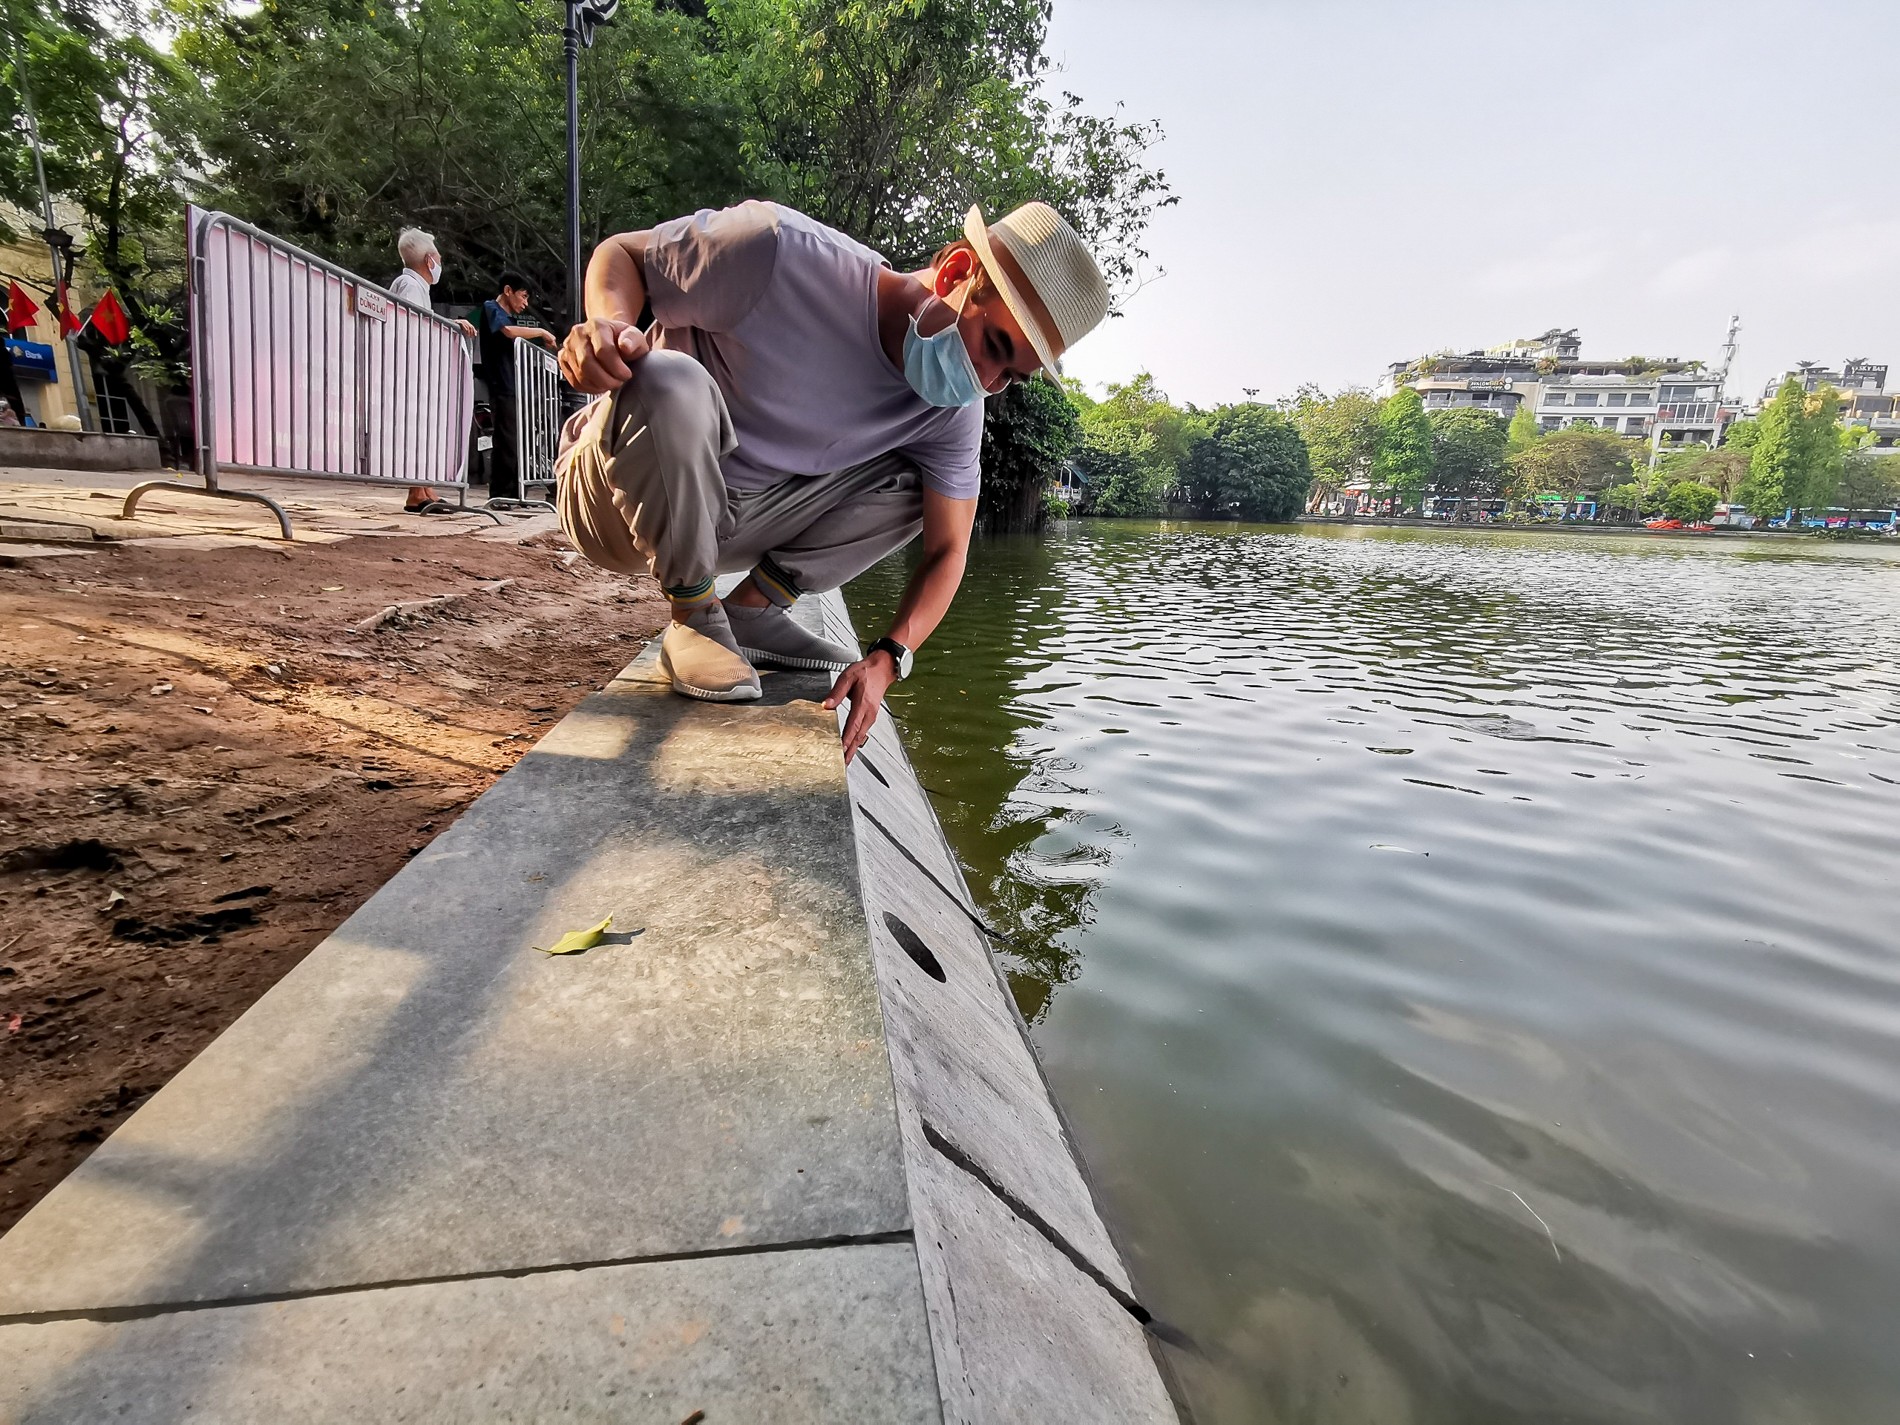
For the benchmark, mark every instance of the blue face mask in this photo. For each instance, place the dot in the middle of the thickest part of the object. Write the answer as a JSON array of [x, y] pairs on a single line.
[[939, 367]]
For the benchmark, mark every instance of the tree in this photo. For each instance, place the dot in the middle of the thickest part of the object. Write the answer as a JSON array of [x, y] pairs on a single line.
[[1250, 464], [1870, 481], [1029, 433], [1580, 460], [1402, 462], [1723, 469], [1625, 499], [1115, 478], [889, 118], [1691, 503], [1524, 431], [1144, 437], [1341, 434], [335, 123], [1819, 449], [1467, 453], [103, 97], [1775, 453]]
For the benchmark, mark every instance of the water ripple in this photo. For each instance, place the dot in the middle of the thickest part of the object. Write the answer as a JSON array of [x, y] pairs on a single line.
[[1396, 904]]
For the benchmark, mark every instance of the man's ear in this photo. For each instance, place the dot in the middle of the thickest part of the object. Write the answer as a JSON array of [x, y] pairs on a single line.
[[955, 268]]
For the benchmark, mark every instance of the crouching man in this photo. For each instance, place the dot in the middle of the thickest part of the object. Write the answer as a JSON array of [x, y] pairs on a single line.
[[797, 411]]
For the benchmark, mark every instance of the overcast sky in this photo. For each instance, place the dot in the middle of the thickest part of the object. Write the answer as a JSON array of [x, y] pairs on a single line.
[[1365, 181]]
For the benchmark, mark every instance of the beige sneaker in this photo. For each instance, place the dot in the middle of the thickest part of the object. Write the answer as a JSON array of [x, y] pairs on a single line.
[[772, 636], [703, 662]]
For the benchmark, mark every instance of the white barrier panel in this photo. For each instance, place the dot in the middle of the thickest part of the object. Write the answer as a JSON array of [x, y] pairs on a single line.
[[537, 412], [302, 368]]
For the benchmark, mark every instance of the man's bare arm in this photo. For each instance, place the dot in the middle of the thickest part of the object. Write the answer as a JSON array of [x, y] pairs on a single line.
[[933, 584], [529, 333], [599, 353]]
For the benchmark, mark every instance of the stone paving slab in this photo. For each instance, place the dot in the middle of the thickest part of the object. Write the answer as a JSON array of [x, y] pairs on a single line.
[[27, 553], [834, 1336], [426, 1095], [436, 1175]]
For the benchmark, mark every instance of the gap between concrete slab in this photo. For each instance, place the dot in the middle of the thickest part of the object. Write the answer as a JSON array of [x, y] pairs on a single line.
[[175, 1308]]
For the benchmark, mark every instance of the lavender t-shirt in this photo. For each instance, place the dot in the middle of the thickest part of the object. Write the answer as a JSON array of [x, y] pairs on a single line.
[[782, 311]]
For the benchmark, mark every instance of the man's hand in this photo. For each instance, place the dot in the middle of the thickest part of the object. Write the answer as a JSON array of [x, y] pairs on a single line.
[[468, 327], [546, 337], [863, 685], [599, 353]]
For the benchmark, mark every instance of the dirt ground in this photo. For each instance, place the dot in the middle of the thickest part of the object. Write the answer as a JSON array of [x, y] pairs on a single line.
[[204, 768]]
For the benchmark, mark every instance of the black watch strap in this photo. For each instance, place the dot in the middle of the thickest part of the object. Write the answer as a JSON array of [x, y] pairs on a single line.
[[900, 655]]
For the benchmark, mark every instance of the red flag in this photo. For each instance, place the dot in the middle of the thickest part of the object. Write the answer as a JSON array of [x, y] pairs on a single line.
[[69, 325], [108, 319], [21, 309]]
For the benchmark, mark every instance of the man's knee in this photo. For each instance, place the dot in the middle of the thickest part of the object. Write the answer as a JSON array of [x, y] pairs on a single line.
[[669, 393]]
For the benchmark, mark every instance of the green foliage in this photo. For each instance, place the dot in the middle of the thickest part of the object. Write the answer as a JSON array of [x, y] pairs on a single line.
[[1741, 435], [1625, 499], [1467, 452], [1870, 481], [1723, 469], [1579, 460], [1141, 439], [889, 118], [1250, 463], [1796, 454], [1690, 502], [114, 148], [1029, 433], [1524, 431], [1821, 447], [1774, 453], [1341, 434], [337, 122], [1118, 484], [1402, 461]]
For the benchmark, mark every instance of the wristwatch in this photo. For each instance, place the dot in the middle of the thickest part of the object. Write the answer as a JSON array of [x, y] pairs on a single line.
[[900, 655]]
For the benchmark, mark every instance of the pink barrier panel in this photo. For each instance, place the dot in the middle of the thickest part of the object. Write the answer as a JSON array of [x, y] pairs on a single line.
[[302, 368]]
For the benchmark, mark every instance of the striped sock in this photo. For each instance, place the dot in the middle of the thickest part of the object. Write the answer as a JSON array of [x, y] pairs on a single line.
[[775, 583], [686, 598]]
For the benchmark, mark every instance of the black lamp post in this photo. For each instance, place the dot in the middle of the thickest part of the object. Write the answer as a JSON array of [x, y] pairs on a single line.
[[583, 18]]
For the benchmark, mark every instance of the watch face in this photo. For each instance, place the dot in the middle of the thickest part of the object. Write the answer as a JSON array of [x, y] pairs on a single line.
[[903, 664]]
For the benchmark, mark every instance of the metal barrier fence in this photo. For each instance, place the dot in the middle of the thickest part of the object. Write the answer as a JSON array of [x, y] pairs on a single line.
[[302, 368], [537, 412]]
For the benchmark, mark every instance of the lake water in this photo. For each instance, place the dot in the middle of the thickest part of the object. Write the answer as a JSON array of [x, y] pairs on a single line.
[[1470, 960]]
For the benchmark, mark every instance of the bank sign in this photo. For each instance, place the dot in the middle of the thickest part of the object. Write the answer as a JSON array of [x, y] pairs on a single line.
[[32, 360]]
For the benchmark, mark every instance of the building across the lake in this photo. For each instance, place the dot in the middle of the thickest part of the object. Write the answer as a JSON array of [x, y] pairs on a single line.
[[1664, 400], [1865, 400]]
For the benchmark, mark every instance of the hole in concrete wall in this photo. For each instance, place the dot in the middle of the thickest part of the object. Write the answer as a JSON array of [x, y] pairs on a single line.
[[914, 947], [871, 767]]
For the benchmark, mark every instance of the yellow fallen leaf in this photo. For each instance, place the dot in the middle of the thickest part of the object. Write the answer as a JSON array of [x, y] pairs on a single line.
[[579, 939]]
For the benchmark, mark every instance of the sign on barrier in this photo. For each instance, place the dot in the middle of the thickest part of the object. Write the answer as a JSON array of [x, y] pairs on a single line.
[[300, 367]]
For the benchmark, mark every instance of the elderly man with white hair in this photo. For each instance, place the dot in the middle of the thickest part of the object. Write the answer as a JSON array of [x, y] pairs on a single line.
[[421, 270]]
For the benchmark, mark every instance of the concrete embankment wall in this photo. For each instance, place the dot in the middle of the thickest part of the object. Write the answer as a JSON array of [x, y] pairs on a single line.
[[777, 1151]]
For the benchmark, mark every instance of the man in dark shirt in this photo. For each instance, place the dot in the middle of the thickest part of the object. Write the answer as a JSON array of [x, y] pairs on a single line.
[[498, 333]]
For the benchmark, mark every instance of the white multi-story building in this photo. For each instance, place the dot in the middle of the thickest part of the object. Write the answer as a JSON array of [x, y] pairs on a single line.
[[1666, 402], [1675, 408]]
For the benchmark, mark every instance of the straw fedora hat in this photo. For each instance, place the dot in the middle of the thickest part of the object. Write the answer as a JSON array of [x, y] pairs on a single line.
[[1049, 281]]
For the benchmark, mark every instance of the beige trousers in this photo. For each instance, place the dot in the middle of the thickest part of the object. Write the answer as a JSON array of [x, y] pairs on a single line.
[[640, 491]]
